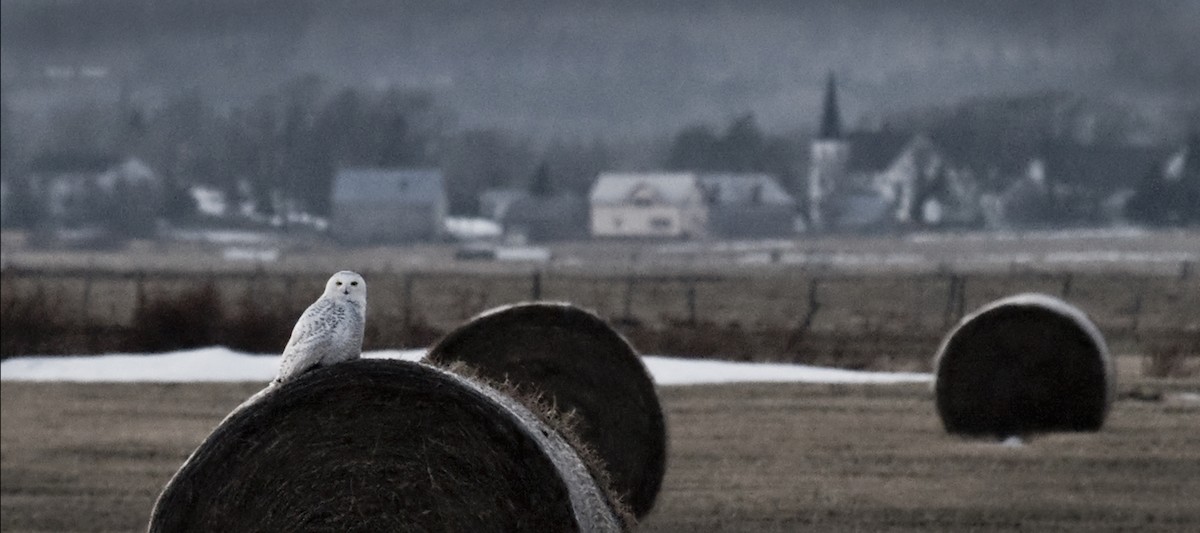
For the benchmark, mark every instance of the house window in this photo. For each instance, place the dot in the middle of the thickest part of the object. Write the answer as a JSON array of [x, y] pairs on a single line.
[[643, 195], [660, 223], [617, 221]]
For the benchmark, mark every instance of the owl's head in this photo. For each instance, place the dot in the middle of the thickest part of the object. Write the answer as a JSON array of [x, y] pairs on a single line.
[[347, 285]]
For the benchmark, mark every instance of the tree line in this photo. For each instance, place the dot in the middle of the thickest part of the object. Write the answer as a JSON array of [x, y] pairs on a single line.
[[281, 149]]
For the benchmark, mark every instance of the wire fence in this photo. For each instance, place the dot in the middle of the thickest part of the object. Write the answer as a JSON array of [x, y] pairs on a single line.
[[793, 315]]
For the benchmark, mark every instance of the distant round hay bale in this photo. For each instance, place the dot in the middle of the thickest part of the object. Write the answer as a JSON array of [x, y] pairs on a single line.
[[1025, 364], [379, 445], [577, 362]]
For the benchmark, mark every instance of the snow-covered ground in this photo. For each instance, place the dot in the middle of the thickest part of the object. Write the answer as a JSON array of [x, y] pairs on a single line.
[[224, 365], [1124, 232], [676, 371], [473, 229]]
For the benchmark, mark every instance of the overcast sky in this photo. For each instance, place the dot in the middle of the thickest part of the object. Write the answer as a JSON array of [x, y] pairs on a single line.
[[577, 68]]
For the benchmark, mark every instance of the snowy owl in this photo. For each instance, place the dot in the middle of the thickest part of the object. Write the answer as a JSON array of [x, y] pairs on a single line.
[[330, 330]]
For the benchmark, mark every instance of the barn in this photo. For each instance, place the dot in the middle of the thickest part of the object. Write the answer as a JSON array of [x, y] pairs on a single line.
[[386, 205], [747, 206], [557, 217]]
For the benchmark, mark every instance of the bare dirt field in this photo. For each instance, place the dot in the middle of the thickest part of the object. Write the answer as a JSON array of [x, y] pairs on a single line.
[[76, 457]]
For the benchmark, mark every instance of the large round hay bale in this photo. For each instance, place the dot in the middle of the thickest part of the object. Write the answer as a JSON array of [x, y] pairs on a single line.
[[578, 363], [378, 445], [1024, 364]]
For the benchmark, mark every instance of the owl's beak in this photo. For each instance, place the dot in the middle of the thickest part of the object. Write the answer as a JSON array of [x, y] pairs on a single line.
[[345, 291]]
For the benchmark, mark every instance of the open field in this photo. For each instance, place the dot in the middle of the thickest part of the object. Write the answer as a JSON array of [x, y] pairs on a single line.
[[79, 457], [1095, 250]]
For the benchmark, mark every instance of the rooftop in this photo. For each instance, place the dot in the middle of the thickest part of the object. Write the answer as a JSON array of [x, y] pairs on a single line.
[[411, 186]]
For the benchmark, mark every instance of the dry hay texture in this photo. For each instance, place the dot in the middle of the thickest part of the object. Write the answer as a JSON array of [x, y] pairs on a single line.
[[1025, 364], [574, 360], [378, 445]]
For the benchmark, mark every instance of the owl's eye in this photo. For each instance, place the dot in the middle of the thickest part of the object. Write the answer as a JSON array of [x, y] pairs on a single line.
[[355, 283], [339, 284]]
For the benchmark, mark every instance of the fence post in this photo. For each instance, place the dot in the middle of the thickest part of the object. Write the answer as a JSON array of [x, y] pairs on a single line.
[[955, 300], [961, 304], [1137, 311], [627, 305], [140, 290], [406, 302], [814, 304], [535, 290], [948, 309], [289, 289], [85, 311], [1066, 285], [85, 318], [691, 302]]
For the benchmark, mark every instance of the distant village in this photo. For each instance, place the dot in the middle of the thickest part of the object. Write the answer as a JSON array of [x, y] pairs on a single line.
[[881, 180]]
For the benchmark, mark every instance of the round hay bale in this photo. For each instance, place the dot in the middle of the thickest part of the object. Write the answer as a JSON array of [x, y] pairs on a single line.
[[1025, 364], [577, 362], [379, 445]]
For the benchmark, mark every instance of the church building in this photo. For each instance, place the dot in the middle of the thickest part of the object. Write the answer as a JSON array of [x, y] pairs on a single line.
[[877, 180]]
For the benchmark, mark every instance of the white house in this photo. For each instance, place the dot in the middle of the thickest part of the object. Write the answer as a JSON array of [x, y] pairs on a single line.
[[648, 205]]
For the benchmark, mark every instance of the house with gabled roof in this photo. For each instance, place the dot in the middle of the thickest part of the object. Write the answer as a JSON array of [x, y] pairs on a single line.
[[105, 192], [747, 206], [648, 205], [1171, 197], [561, 216], [1071, 183], [388, 205]]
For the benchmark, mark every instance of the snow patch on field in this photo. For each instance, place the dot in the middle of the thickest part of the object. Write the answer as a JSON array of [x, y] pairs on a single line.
[[676, 371], [223, 365], [1031, 235], [471, 229]]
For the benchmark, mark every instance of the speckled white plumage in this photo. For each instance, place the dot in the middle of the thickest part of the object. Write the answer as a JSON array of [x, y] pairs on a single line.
[[330, 330]]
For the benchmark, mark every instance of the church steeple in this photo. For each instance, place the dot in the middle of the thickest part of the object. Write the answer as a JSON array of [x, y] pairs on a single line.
[[831, 118], [830, 154]]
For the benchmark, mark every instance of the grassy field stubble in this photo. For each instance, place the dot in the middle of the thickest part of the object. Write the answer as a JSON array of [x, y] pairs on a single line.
[[93, 457], [846, 321]]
